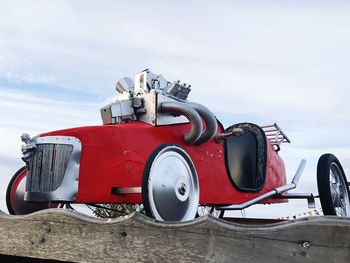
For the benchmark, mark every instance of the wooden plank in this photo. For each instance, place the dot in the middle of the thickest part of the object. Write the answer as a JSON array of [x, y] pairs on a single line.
[[6, 258], [59, 234]]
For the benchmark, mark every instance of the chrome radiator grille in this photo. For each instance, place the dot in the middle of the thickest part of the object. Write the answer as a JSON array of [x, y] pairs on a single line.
[[47, 167]]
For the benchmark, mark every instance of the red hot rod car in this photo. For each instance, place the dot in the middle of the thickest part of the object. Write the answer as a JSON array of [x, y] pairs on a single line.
[[158, 149]]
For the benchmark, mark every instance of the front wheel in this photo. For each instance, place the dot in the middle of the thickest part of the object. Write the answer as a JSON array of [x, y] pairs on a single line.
[[15, 196], [170, 189], [332, 186]]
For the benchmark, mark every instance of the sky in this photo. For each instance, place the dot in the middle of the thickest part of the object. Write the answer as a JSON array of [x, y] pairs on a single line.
[[258, 61]]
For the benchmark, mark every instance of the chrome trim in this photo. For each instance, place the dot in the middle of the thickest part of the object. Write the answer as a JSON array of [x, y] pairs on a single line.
[[126, 190], [68, 189], [275, 134], [299, 172], [274, 192]]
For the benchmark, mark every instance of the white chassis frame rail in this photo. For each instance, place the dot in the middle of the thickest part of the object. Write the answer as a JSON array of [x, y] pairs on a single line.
[[279, 192]]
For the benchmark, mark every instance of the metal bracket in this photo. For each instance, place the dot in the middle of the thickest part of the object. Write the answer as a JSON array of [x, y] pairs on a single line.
[[308, 196], [276, 191], [275, 134], [234, 132]]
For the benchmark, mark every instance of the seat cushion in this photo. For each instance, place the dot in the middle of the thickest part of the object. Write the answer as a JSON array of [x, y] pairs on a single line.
[[246, 157]]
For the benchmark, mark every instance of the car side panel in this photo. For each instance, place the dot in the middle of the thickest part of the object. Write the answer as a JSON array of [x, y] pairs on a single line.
[[115, 156]]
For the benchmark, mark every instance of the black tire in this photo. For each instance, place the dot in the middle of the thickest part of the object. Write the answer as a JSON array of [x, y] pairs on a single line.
[[332, 186]]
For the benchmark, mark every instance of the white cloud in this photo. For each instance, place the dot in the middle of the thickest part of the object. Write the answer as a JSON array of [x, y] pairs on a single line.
[[25, 113], [28, 77], [276, 48], [286, 62]]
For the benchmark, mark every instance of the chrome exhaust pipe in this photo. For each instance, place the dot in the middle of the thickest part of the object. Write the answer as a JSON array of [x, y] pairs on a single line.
[[210, 123], [190, 113]]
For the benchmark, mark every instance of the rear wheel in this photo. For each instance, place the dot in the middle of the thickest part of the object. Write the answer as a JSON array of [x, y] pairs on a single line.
[[170, 190], [332, 186], [15, 196]]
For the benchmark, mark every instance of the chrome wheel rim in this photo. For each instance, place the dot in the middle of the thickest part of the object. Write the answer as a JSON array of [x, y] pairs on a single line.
[[173, 190], [339, 191]]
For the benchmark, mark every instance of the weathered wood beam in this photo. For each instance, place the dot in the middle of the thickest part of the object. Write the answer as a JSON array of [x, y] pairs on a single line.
[[59, 234]]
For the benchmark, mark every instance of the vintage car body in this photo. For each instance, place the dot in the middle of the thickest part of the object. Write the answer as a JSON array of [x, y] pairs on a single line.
[[115, 156], [157, 149]]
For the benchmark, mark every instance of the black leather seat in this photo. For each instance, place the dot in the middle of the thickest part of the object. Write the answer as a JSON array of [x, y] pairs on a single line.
[[246, 157]]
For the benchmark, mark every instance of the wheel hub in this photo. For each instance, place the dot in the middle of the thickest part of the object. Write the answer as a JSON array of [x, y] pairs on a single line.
[[183, 188]]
